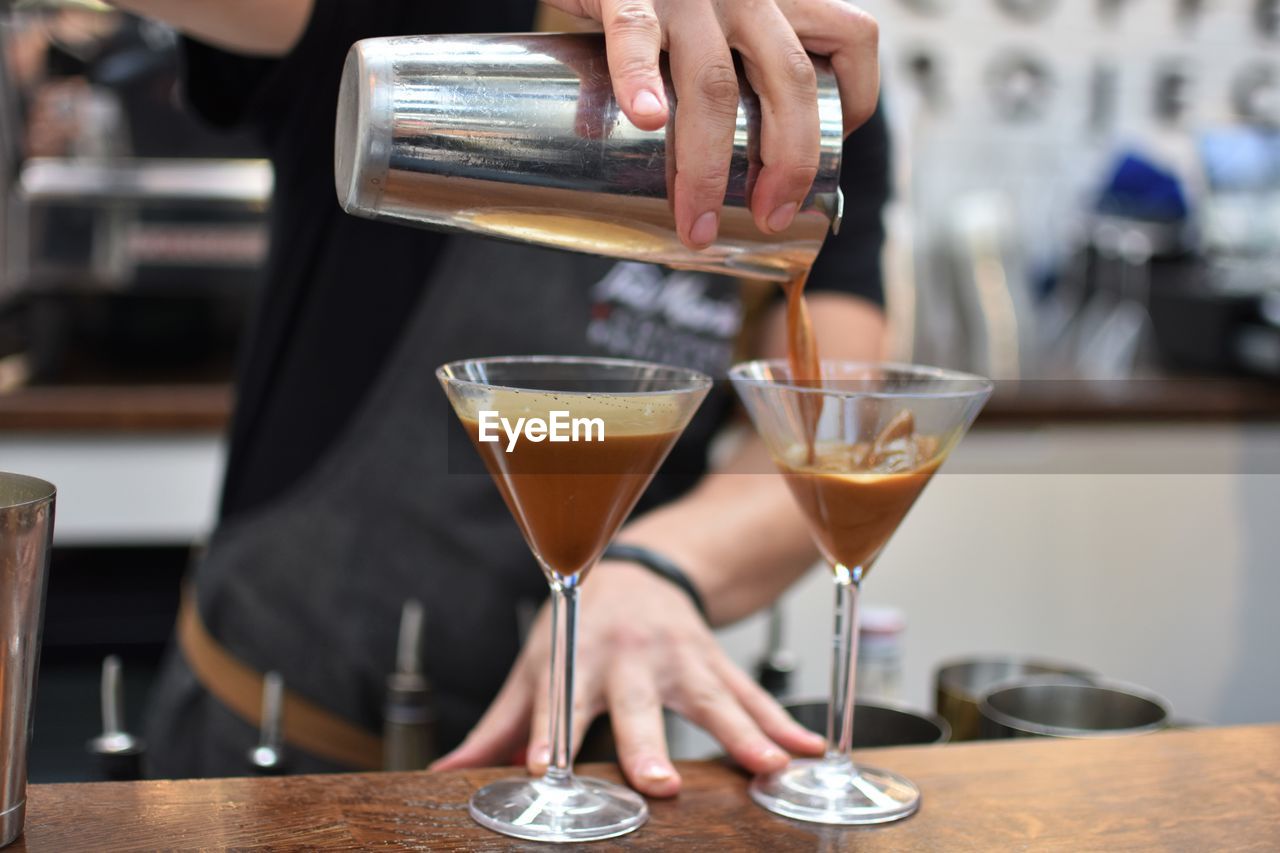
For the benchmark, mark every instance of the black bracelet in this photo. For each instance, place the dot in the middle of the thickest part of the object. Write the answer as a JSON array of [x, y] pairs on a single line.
[[659, 565]]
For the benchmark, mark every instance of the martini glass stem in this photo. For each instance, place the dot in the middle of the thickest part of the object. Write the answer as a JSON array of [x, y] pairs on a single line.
[[564, 648], [844, 663]]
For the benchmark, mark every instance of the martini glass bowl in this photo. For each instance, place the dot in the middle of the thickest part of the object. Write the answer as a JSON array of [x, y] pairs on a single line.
[[616, 421], [856, 450]]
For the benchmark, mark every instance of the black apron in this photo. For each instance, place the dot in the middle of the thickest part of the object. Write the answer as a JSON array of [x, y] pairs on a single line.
[[400, 507]]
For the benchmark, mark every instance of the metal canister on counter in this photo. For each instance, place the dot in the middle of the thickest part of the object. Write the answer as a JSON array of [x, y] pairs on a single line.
[[877, 724], [26, 540], [1049, 706], [960, 685]]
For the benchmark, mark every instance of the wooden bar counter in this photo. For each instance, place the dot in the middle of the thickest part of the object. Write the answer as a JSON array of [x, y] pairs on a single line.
[[1209, 789], [206, 407]]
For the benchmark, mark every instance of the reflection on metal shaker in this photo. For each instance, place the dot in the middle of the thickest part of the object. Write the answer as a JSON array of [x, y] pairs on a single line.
[[519, 137], [26, 538]]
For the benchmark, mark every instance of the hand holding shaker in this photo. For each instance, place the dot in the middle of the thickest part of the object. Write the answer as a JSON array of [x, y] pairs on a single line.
[[26, 538], [520, 137]]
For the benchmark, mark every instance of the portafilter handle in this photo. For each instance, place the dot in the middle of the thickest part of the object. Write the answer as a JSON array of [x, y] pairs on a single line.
[[268, 757], [778, 665], [119, 754], [409, 720]]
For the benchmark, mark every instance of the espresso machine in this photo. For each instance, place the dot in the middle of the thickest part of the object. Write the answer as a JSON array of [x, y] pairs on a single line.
[[131, 247]]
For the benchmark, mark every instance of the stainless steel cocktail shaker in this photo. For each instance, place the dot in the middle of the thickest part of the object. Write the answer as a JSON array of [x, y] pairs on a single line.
[[520, 137], [26, 538]]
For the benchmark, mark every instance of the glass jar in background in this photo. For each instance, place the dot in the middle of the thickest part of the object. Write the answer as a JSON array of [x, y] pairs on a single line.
[[880, 634]]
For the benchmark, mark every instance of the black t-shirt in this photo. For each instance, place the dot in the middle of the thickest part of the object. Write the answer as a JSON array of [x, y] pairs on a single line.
[[338, 289]]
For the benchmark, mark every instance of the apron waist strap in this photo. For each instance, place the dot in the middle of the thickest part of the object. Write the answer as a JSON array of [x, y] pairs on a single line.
[[238, 687]]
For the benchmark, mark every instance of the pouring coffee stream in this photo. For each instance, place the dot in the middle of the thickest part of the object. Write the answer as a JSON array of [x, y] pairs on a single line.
[[802, 354]]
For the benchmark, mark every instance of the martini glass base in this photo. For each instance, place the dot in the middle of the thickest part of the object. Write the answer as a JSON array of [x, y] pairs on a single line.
[[816, 792], [578, 809]]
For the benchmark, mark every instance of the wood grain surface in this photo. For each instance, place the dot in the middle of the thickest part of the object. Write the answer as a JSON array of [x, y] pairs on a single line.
[[197, 407], [117, 408], [1210, 789]]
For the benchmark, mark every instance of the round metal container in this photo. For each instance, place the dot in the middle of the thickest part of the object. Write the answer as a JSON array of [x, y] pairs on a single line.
[[960, 684], [878, 725], [26, 541], [1047, 706]]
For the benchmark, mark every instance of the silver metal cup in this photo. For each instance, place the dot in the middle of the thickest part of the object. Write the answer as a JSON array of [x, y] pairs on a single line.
[[1047, 706], [960, 685], [26, 538], [520, 137], [877, 725]]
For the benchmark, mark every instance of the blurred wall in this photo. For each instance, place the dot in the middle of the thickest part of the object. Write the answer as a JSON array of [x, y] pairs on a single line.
[[1025, 116]]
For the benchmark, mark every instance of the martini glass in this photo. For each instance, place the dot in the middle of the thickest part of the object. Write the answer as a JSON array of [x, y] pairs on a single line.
[[856, 452], [619, 419]]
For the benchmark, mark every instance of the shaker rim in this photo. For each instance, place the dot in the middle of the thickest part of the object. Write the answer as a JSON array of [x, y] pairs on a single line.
[[26, 491]]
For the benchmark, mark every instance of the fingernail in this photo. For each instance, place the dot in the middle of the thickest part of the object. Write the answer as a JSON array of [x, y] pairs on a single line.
[[704, 229], [773, 755], [781, 218], [542, 756], [646, 104], [656, 771]]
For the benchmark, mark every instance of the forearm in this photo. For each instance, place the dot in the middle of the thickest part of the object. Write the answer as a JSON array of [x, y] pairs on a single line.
[[739, 534], [259, 27]]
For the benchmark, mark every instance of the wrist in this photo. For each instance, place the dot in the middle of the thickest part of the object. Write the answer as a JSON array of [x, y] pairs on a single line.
[[660, 565]]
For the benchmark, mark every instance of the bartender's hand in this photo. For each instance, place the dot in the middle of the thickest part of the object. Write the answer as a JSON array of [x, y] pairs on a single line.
[[772, 36], [642, 647]]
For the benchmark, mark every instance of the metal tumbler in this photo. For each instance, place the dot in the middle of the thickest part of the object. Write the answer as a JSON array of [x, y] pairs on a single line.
[[877, 724], [26, 538], [520, 137], [1048, 706], [960, 685]]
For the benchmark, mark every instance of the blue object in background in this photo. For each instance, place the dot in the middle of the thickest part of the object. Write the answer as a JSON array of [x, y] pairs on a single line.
[[1140, 189]]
